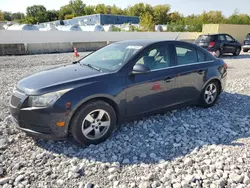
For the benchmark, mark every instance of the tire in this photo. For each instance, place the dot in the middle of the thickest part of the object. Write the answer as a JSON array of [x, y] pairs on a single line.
[[86, 123], [218, 53], [245, 50], [237, 52], [204, 94]]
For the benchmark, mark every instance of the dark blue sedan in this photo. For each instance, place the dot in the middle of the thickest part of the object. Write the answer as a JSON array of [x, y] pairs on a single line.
[[121, 81]]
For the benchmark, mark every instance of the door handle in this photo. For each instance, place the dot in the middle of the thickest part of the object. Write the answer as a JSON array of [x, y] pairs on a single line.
[[169, 79], [201, 71]]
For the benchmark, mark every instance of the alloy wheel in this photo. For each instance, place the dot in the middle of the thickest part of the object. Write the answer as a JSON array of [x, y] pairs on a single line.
[[96, 124], [210, 93]]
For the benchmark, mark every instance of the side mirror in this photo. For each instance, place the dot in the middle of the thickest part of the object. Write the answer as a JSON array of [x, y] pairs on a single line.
[[140, 69]]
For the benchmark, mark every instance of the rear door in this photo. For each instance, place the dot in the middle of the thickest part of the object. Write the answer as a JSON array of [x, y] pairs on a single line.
[[222, 43], [191, 67]]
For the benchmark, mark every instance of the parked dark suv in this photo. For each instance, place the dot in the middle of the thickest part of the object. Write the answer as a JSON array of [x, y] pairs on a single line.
[[219, 44], [246, 46]]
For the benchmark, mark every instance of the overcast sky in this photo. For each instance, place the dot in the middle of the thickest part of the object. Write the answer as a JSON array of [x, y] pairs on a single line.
[[183, 6]]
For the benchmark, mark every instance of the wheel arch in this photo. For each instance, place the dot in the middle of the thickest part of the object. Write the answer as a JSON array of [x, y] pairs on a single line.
[[213, 79], [104, 98]]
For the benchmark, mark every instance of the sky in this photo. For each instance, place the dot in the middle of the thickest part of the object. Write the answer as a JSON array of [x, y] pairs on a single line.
[[185, 7]]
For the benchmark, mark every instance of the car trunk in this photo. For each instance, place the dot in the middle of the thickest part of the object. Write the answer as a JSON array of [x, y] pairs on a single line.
[[204, 40]]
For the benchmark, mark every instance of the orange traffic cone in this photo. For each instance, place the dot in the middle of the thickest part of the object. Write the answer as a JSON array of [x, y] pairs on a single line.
[[75, 52]]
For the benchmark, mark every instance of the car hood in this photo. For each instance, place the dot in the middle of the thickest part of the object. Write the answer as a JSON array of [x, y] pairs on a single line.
[[56, 78]]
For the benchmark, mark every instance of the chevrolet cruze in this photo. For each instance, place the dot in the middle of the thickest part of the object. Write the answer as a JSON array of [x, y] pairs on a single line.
[[90, 97]]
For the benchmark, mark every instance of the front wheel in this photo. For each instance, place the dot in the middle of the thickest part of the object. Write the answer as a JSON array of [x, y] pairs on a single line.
[[218, 53], [237, 52], [93, 123], [210, 94]]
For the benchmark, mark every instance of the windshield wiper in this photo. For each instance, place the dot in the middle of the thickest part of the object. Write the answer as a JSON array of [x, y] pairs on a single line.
[[75, 62], [93, 67]]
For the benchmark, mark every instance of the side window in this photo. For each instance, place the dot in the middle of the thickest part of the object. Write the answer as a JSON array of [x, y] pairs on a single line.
[[201, 56], [230, 39], [221, 38], [156, 58], [186, 55]]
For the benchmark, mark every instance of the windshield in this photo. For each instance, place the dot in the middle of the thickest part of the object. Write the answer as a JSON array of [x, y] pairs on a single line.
[[248, 37], [111, 57]]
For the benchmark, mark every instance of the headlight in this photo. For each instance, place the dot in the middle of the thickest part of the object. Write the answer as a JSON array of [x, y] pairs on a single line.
[[47, 99]]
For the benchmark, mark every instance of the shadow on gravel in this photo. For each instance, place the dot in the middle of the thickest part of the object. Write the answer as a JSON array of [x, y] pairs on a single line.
[[167, 136], [241, 56]]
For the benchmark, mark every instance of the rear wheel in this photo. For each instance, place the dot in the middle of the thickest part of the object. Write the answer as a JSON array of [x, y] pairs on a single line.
[[237, 52], [210, 94], [93, 123], [245, 50]]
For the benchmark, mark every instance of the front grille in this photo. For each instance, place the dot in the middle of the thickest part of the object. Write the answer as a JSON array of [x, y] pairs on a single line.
[[15, 101]]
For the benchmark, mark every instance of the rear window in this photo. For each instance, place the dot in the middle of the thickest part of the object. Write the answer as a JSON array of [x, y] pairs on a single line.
[[206, 38]]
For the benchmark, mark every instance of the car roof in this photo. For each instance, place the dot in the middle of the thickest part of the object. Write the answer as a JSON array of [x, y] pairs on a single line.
[[214, 34], [147, 42]]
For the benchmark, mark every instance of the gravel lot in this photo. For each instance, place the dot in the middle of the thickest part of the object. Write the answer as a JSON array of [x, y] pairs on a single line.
[[190, 147]]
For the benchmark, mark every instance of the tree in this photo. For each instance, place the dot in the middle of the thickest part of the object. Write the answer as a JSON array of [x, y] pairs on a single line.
[[176, 17], [147, 22], [237, 18], [77, 7], [64, 10], [100, 9], [52, 15], [69, 16], [116, 10], [1, 16], [18, 16], [212, 17], [7, 16], [140, 9], [37, 13], [161, 14], [89, 10]]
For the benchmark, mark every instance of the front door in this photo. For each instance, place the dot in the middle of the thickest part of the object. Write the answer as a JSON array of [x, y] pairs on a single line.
[[231, 44], [153, 90]]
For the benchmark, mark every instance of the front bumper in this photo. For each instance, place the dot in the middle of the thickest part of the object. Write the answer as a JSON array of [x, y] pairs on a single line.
[[38, 122], [246, 47]]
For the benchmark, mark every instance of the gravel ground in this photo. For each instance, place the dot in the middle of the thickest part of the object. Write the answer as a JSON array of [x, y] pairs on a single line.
[[189, 147]]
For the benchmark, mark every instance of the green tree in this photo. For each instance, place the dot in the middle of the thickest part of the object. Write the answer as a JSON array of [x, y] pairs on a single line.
[[116, 10], [52, 15], [77, 7], [64, 10], [37, 13], [100, 9], [89, 10], [176, 17], [147, 22], [140, 9], [237, 18], [18, 16], [7, 16], [69, 16], [161, 14], [1, 16], [212, 17]]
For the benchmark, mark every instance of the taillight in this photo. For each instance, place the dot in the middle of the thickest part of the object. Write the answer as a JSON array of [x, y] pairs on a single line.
[[225, 66], [211, 44]]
